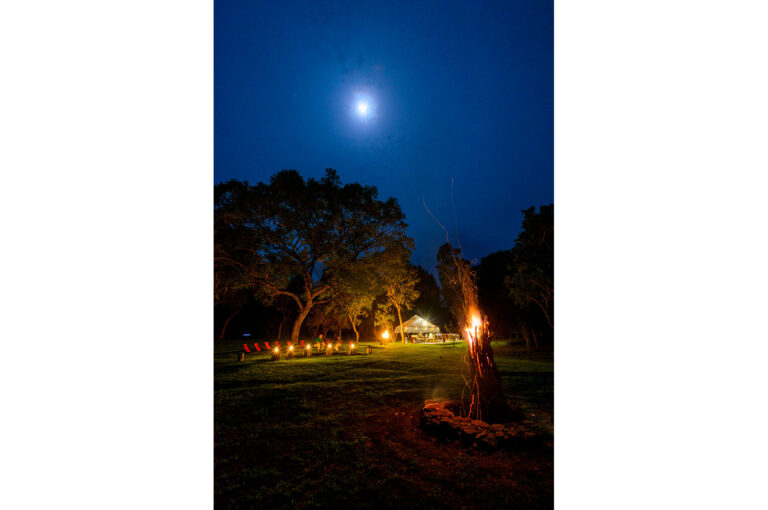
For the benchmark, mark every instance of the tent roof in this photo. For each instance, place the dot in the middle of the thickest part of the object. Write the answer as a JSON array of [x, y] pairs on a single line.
[[418, 325]]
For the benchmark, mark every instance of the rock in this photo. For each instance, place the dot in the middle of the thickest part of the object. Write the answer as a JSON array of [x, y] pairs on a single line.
[[483, 434], [491, 441], [480, 423], [497, 426]]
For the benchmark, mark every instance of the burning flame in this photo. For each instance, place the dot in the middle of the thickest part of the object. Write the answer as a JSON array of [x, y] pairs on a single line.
[[351, 346], [308, 346], [385, 335], [277, 349], [290, 348], [472, 330]]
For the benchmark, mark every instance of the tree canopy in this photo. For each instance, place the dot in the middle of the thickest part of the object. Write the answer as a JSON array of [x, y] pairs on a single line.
[[315, 231], [531, 281]]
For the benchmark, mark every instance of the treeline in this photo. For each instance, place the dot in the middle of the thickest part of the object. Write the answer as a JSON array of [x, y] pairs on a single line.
[[516, 286], [296, 257]]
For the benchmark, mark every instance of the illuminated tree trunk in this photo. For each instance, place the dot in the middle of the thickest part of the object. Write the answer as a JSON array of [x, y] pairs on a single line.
[[357, 335], [400, 320], [299, 321]]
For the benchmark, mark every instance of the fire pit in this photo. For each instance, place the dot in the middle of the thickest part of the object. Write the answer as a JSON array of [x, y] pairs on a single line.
[[442, 417]]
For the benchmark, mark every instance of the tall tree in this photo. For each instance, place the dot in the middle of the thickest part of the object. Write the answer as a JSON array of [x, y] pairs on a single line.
[[355, 295], [531, 281], [430, 303], [493, 292], [399, 280], [313, 230], [383, 315]]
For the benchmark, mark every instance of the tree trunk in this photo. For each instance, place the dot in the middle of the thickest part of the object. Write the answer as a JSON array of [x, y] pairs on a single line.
[[400, 320], [226, 323], [299, 320], [357, 335]]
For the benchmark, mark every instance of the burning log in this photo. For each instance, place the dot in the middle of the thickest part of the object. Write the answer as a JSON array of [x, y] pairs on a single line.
[[486, 399]]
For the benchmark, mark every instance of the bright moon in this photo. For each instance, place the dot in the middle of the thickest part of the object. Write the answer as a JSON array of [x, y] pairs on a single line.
[[362, 107]]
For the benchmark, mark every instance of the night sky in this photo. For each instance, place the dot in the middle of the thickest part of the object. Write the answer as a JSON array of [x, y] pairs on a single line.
[[460, 90]]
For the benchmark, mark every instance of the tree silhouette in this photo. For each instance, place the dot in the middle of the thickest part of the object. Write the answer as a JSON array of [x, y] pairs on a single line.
[[531, 281], [310, 230], [430, 303]]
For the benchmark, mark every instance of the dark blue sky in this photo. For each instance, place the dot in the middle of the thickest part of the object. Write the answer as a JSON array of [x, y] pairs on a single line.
[[460, 90]]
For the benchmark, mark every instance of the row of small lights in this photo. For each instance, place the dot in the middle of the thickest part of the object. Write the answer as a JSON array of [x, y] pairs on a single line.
[[308, 347]]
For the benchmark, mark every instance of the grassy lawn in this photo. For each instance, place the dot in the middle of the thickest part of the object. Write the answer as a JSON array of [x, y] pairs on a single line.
[[342, 431]]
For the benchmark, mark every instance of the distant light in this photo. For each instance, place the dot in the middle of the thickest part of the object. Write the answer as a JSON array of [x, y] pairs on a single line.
[[290, 348], [246, 334], [362, 107], [385, 335]]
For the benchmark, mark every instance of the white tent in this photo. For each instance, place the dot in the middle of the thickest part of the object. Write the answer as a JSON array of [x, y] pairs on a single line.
[[417, 325]]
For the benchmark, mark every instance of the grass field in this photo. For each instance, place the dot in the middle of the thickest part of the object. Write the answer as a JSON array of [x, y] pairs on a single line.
[[343, 431]]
